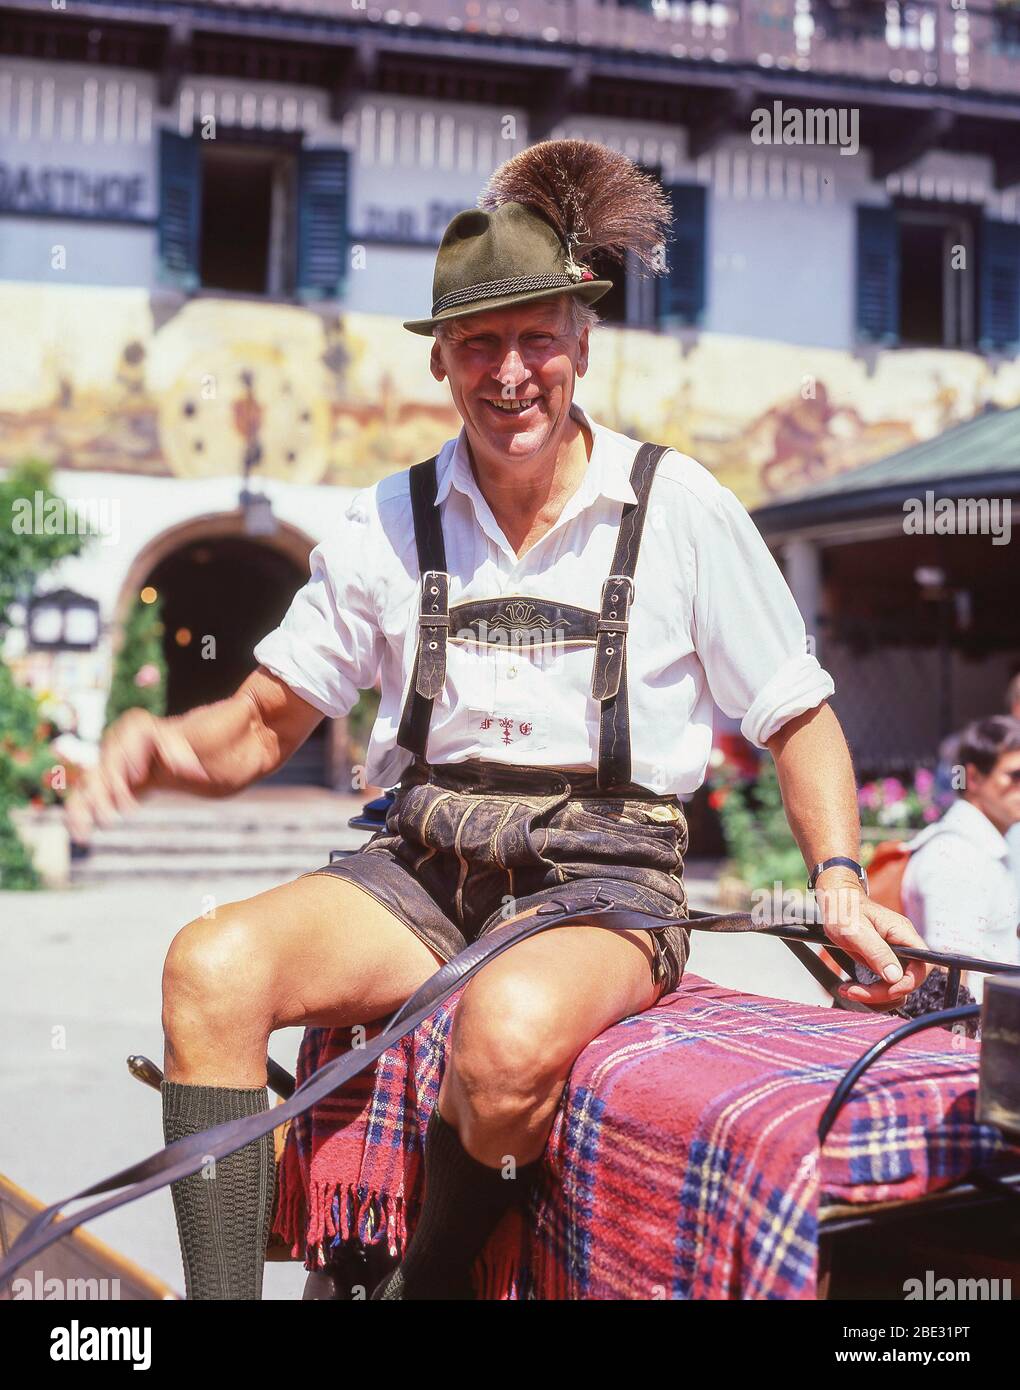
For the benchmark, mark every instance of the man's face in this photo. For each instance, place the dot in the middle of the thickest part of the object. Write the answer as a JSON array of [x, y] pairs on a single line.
[[997, 793], [512, 374]]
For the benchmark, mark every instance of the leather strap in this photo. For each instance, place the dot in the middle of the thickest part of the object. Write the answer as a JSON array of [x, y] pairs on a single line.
[[428, 675], [188, 1155], [433, 634], [609, 669], [428, 524]]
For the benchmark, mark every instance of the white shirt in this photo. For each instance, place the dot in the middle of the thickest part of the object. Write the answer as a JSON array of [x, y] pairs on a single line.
[[1013, 843], [712, 617], [959, 890]]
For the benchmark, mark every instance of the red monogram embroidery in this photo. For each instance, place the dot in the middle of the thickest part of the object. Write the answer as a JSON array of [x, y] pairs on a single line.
[[507, 725]]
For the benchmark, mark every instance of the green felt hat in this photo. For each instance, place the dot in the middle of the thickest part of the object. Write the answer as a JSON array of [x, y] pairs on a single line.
[[510, 254]]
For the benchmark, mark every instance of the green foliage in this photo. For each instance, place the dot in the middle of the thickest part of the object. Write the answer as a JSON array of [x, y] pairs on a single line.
[[360, 722], [17, 872], [759, 842], [139, 668], [25, 755], [24, 552]]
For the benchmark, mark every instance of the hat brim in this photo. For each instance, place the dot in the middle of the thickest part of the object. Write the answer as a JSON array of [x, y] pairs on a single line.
[[588, 290]]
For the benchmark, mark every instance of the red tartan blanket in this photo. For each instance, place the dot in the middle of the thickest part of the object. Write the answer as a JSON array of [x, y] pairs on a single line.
[[683, 1162]]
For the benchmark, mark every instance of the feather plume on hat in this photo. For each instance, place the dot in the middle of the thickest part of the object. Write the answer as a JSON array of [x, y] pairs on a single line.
[[595, 198]]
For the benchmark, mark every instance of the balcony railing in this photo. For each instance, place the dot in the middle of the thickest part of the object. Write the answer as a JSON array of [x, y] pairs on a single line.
[[923, 43]]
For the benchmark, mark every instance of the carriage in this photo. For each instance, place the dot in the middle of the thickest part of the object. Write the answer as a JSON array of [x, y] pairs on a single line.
[[807, 1153]]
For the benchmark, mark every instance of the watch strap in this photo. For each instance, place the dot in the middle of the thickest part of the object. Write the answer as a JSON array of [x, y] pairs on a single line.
[[838, 861]]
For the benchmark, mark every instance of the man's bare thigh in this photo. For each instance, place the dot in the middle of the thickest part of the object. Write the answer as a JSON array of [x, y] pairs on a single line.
[[332, 954]]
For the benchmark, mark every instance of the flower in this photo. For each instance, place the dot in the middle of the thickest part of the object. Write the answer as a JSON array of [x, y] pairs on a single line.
[[893, 789], [868, 796], [717, 799], [930, 813], [924, 781], [147, 675]]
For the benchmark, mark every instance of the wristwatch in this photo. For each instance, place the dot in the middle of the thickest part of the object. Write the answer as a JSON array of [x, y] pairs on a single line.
[[842, 862]]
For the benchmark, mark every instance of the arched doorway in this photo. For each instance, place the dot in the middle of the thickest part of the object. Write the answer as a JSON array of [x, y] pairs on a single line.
[[221, 591]]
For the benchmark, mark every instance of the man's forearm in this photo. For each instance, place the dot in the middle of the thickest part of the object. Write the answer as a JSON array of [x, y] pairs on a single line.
[[230, 746], [242, 738], [816, 778]]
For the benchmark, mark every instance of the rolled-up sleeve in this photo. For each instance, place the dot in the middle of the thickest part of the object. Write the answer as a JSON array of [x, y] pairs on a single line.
[[328, 646], [749, 633]]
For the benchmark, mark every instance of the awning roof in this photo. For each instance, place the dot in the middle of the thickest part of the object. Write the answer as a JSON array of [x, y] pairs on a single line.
[[978, 458]]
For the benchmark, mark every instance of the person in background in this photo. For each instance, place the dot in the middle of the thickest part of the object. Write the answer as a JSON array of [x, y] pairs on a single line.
[[958, 887], [1013, 834]]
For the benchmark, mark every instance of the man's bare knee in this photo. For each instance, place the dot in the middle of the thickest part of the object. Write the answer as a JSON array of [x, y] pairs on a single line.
[[506, 1055], [216, 974]]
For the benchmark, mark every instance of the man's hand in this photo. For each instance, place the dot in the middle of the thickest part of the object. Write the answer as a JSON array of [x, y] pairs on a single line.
[[137, 753], [867, 932]]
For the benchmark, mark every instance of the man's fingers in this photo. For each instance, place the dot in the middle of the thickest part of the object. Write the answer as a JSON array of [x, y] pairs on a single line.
[[179, 757], [862, 941], [79, 818], [123, 798], [879, 995], [898, 931], [93, 805], [870, 933], [132, 741], [125, 766]]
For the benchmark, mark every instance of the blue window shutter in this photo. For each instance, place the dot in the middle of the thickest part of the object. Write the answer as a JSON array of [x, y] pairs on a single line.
[[682, 288], [878, 275], [322, 223], [180, 209], [999, 286]]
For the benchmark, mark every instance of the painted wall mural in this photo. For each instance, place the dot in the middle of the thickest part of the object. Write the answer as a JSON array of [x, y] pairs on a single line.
[[125, 381]]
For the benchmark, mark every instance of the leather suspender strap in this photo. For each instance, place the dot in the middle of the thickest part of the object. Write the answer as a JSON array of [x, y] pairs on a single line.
[[609, 670], [428, 528], [428, 675]]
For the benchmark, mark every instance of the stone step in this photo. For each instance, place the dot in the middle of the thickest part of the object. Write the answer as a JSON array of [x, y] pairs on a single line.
[[203, 867], [230, 840]]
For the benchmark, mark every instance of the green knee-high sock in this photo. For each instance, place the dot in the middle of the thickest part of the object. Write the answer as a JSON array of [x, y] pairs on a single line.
[[222, 1217], [464, 1199]]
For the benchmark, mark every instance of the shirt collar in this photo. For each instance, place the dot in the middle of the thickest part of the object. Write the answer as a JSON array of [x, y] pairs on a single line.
[[607, 474], [965, 819]]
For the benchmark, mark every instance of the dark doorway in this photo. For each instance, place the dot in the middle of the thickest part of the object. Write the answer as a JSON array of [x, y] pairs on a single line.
[[237, 207], [220, 598], [938, 272], [921, 270]]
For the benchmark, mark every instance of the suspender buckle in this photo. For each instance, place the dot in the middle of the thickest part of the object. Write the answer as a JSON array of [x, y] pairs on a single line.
[[433, 631], [611, 635]]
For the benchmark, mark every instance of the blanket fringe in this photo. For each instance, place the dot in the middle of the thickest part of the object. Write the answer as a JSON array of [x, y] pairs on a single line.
[[337, 1214], [312, 1222]]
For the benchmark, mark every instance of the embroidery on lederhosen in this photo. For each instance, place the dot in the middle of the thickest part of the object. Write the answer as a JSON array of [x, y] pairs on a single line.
[[537, 620]]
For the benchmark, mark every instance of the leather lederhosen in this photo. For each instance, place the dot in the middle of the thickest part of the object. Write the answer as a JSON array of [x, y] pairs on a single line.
[[527, 619]]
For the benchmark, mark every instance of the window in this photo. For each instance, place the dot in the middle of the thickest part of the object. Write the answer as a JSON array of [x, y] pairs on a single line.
[[244, 197], [1006, 29], [937, 258], [252, 216], [681, 292], [638, 300], [629, 302], [937, 276], [851, 19]]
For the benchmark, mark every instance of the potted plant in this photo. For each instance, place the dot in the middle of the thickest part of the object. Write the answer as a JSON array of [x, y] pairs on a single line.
[[890, 806]]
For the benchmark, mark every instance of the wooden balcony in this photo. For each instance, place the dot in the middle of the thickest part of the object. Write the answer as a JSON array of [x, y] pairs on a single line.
[[926, 43]]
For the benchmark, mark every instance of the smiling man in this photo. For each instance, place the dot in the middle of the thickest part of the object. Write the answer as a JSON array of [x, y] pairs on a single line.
[[550, 608]]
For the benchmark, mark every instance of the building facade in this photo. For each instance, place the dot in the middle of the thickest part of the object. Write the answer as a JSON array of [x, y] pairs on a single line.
[[214, 216]]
